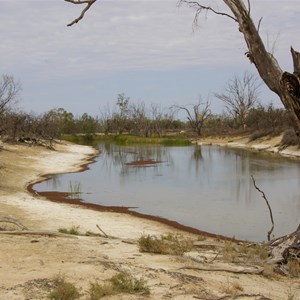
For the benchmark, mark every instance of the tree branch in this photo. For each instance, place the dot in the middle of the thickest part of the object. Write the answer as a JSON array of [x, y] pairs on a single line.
[[88, 3], [199, 8], [270, 210]]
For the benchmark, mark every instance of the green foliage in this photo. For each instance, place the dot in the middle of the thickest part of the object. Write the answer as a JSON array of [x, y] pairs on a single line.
[[166, 244], [122, 282], [64, 290], [130, 139], [73, 230]]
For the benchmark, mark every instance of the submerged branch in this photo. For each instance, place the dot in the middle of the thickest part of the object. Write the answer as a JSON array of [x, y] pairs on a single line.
[[270, 210]]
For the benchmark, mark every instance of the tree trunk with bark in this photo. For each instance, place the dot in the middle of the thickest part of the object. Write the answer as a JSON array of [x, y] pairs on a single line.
[[284, 84]]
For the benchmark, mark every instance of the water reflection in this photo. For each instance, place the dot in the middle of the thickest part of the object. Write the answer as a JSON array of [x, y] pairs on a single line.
[[209, 188]]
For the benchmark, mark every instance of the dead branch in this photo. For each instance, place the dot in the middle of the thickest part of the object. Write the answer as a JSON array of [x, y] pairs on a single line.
[[102, 231], [199, 8], [42, 233], [230, 269], [88, 3], [270, 210], [13, 221]]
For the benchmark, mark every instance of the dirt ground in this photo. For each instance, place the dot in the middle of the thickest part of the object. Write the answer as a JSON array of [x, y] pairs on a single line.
[[30, 260]]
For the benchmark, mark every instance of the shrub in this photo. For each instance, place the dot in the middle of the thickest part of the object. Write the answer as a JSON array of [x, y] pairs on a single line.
[[73, 230], [289, 139], [124, 282], [63, 290], [166, 244], [97, 291], [120, 283]]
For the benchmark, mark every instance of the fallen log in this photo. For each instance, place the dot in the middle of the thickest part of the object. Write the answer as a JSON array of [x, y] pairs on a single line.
[[232, 269], [285, 248], [13, 221], [42, 233]]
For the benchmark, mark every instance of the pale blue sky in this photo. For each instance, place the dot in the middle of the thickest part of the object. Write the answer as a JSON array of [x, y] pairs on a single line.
[[146, 49]]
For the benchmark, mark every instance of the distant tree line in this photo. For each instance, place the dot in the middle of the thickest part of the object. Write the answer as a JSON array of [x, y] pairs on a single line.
[[243, 114]]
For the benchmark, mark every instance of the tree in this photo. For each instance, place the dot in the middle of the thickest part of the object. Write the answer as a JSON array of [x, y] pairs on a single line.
[[241, 95], [9, 90], [196, 115], [284, 84]]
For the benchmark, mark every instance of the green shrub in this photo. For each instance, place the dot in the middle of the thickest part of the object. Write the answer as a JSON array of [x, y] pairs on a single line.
[[73, 230]]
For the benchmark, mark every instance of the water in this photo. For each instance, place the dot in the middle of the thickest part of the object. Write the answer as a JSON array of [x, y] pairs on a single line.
[[208, 187]]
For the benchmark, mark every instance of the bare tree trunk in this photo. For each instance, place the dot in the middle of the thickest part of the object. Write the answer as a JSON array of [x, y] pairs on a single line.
[[285, 85]]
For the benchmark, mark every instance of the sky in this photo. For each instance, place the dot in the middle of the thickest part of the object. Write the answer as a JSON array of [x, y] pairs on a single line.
[[146, 49]]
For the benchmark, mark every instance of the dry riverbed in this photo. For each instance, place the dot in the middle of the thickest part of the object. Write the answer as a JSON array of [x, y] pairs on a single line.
[[30, 260]]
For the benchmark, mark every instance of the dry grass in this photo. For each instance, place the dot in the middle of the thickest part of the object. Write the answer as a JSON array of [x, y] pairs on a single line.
[[73, 230], [245, 252], [120, 283], [166, 244], [63, 290]]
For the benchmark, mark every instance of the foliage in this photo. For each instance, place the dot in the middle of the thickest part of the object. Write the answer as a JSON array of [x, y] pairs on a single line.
[[64, 290], [129, 139], [166, 244], [122, 282], [73, 230]]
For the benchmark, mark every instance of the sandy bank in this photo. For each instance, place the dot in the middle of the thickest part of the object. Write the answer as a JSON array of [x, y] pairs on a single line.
[[266, 144]]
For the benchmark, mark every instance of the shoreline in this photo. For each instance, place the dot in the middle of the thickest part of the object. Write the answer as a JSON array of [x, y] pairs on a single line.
[[264, 145], [269, 145], [31, 261]]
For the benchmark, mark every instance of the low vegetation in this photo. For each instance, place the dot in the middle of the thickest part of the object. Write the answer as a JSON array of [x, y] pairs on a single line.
[[166, 244], [63, 290], [73, 230], [244, 252], [122, 282]]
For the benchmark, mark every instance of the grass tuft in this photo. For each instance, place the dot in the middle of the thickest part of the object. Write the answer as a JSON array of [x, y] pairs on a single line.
[[64, 290], [122, 282], [166, 244], [73, 230]]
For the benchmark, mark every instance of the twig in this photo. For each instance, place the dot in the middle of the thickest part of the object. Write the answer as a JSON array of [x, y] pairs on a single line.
[[88, 3], [102, 231], [270, 210]]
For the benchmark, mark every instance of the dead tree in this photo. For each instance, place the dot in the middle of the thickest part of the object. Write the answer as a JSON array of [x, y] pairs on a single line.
[[240, 96], [197, 114], [285, 85]]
